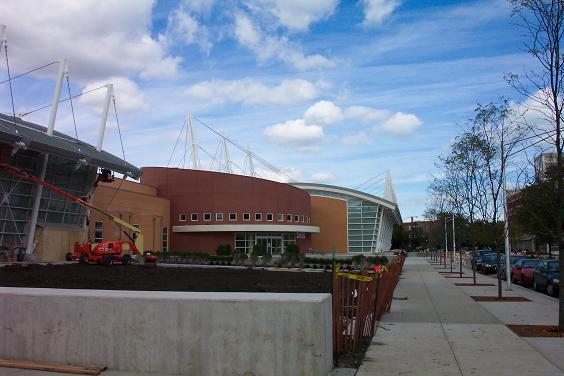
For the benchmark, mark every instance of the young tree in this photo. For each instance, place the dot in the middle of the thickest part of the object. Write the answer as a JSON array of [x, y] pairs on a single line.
[[498, 129], [543, 21]]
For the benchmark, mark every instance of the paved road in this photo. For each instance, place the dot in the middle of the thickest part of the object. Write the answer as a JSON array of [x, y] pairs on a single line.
[[440, 330]]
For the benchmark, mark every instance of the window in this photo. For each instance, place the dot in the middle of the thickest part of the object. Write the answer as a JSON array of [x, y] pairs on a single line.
[[182, 217], [280, 217], [207, 216], [289, 217], [269, 217], [165, 239], [246, 216], [258, 217], [307, 219], [194, 216], [303, 218], [296, 218], [232, 216], [244, 242], [219, 217], [99, 232]]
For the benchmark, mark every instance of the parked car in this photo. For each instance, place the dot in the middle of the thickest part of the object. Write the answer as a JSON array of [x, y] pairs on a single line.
[[489, 263], [522, 271], [513, 258], [477, 257], [546, 277]]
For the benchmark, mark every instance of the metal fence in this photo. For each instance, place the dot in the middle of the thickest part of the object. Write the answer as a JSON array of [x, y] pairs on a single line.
[[359, 300]]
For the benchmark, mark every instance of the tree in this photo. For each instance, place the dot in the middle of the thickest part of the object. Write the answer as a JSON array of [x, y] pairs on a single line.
[[500, 132], [543, 21], [538, 208]]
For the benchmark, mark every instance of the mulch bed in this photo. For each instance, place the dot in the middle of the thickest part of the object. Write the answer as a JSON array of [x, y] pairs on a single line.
[[536, 330], [503, 299], [474, 284], [140, 278]]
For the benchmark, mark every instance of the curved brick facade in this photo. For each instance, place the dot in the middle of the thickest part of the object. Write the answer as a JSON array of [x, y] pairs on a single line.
[[200, 192]]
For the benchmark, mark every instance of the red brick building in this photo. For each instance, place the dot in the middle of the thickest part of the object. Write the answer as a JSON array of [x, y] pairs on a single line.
[[209, 208]]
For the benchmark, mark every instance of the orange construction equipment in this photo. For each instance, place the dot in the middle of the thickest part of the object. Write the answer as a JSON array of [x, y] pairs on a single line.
[[106, 253]]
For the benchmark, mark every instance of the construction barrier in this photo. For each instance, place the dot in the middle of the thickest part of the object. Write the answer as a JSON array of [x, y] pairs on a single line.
[[359, 301]]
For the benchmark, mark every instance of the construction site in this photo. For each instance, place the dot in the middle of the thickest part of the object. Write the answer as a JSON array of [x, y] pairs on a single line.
[[95, 251]]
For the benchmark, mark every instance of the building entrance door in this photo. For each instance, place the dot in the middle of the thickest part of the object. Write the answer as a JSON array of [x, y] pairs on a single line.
[[272, 244]]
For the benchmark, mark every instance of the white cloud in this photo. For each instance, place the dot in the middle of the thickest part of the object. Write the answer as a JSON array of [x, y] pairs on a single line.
[[296, 133], [375, 11], [286, 176], [357, 139], [367, 114], [297, 15], [128, 96], [246, 32], [323, 113], [272, 47], [322, 177], [100, 38], [401, 124], [252, 92], [183, 28]]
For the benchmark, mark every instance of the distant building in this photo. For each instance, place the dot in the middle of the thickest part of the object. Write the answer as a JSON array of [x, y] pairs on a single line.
[[543, 162]]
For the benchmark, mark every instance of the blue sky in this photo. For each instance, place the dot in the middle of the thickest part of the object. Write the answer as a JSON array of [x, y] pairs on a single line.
[[330, 91]]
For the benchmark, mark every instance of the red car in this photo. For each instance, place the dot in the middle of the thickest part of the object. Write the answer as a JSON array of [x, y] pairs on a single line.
[[522, 271]]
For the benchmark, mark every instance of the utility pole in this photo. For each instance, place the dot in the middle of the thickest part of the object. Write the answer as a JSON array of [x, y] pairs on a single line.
[[446, 241], [506, 234], [453, 244]]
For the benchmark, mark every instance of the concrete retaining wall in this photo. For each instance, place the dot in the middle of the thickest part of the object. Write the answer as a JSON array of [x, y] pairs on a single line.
[[169, 332]]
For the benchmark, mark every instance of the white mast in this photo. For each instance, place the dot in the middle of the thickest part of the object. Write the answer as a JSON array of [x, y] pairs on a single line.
[[102, 131], [250, 162], [226, 154], [2, 33], [195, 159], [30, 240]]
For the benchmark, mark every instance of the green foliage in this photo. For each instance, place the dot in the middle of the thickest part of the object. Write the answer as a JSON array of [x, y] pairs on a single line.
[[224, 250], [293, 249], [221, 258], [267, 258], [258, 250]]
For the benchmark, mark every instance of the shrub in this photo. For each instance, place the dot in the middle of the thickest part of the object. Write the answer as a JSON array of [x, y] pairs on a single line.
[[266, 259], [258, 250], [359, 260], [224, 250], [292, 249]]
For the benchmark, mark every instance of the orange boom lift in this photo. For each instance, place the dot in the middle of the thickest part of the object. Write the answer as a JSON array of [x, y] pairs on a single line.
[[106, 253]]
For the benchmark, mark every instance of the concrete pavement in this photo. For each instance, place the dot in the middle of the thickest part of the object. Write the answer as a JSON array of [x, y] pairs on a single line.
[[440, 330]]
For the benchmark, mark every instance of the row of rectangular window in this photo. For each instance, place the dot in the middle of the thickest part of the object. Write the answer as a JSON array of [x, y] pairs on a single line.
[[246, 217]]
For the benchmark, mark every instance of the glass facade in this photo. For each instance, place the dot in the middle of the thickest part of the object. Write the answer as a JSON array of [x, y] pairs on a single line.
[[17, 196], [363, 221]]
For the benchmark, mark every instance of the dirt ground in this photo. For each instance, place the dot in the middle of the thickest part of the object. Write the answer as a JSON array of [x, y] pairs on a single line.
[[141, 278]]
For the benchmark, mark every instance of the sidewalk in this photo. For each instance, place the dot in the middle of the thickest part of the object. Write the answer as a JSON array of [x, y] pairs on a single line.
[[440, 330]]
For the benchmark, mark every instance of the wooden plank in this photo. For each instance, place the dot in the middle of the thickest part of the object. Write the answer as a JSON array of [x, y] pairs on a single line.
[[51, 367]]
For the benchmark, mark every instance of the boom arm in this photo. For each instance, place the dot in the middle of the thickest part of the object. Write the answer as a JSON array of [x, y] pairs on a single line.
[[137, 236]]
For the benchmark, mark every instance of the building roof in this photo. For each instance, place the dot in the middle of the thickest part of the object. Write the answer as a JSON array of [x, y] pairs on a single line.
[[392, 206], [34, 137]]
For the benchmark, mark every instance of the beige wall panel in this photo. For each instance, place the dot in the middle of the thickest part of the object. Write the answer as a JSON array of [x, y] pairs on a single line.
[[330, 215]]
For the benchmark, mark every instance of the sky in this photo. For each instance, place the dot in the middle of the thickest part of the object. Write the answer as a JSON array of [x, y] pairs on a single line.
[[328, 91]]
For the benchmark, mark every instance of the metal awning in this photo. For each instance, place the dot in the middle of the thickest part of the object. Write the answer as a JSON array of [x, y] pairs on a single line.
[[34, 137]]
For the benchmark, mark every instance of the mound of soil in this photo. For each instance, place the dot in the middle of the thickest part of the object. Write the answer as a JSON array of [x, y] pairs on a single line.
[[141, 278]]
